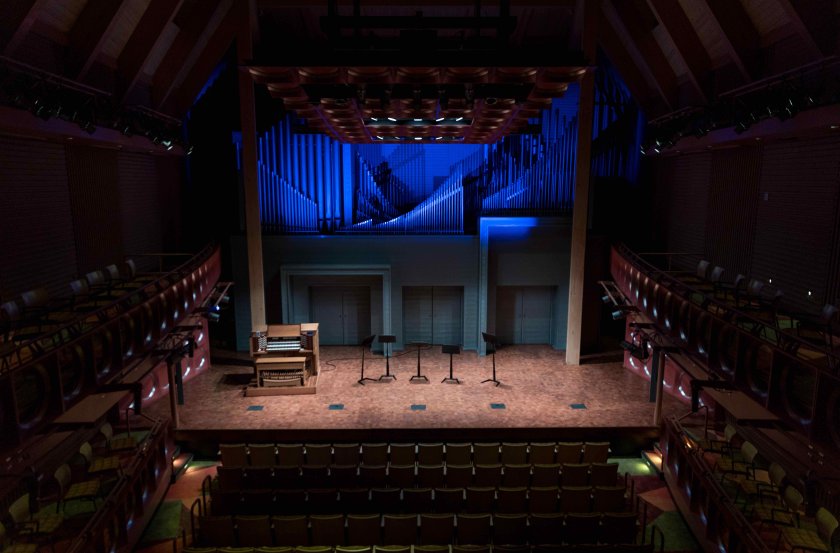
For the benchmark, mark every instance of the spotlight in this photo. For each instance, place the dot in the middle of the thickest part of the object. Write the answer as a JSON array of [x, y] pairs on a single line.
[[606, 299], [618, 314], [189, 149], [391, 119], [439, 119], [418, 138], [459, 119], [640, 352]]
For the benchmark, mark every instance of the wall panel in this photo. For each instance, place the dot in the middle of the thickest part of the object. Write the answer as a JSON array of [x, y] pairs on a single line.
[[95, 204], [733, 201], [796, 216], [140, 206], [36, 226], [684, 181]]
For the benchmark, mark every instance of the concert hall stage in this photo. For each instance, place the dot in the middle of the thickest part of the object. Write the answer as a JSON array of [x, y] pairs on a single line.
[[540, 398]]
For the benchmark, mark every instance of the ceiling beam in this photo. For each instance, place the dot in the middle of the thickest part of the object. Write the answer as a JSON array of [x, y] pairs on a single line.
[[682, 33], [207, 62], [740, 35], [143, 41], [796, 15], [89, 34], [188, 45], [638, 20], [19, 17], [626, 66]]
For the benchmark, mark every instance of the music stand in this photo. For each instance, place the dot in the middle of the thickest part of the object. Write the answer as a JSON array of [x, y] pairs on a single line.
[[491, 342], [386, 339], [366, 343], [451, 350], [420, 345]]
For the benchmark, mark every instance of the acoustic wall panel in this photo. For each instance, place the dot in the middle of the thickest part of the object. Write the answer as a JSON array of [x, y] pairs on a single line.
[[433, 314], [447, 308], [140, 207], [36, 225], [94, 201], [417, 314], [684, 181], [733, 203], [524, 314], [343, 313], [797, 213]]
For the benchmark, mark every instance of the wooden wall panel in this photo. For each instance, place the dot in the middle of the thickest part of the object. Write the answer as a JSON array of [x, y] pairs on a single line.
[[683, 182], [95, 204], [36, 227], [140, 207], [733, 202], [170, 172], [796, 218]]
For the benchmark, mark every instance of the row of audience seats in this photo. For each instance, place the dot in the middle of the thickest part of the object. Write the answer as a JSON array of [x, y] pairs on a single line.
[[34, 312], [556, 548], [85, 477], [408, 529], [550, 499], [291, 455], [410, 476], [770, 500], [763, 301]]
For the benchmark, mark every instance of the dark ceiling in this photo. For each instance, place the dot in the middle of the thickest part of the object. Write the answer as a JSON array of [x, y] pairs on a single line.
[[345, 65]]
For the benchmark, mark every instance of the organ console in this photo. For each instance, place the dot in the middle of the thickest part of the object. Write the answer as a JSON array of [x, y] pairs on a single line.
[[286, 359]]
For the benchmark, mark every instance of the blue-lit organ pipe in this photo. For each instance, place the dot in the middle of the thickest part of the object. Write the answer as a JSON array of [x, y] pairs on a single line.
[[370, 201], [300, 181], [440, 213], [283, 208]]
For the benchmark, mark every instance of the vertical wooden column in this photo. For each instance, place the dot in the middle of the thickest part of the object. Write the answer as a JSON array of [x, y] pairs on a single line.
[[248, 119], [582, 170]]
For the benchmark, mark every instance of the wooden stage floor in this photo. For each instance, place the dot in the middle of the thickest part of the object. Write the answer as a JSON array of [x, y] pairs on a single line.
[[540, 398]]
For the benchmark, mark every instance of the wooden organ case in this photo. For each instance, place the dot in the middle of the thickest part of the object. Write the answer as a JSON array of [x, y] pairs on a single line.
[[286, 359]]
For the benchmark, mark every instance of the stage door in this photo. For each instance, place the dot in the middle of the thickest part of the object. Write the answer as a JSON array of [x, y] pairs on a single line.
[[433, 314], [343, 313], [524, 314]]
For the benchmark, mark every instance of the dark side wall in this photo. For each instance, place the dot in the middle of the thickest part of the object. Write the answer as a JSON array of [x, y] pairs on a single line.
[[766, 210], [67, 209]]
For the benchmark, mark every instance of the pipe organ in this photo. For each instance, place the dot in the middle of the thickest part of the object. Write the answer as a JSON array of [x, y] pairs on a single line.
[[313, 184], [286, 359]]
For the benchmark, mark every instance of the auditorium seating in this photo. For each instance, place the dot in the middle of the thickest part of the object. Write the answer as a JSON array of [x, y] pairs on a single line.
[[376, 454], [417, 529]]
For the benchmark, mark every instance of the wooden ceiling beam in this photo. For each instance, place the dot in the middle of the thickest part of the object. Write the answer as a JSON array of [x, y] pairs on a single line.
[[89, 34], [207, 62], [143, 41], [796, 14], [682, 33], [638, 22], [19, 17], [627, 68], [740, 35], [190, 42]]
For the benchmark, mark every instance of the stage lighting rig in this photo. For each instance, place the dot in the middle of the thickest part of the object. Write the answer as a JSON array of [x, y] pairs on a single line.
[[640, 351], [217, 298]]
